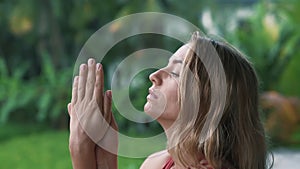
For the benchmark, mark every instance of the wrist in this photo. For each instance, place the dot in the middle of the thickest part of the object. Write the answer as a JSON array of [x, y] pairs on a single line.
[[81, 149], [82, 156]]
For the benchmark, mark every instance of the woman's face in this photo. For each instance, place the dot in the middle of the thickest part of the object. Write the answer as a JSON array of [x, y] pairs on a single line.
[[162, 101]]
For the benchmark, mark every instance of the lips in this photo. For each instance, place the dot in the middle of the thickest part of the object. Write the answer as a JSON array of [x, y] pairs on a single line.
[[152, 94]]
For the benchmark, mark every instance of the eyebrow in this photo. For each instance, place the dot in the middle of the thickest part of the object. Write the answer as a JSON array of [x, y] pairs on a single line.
[[176, 61]]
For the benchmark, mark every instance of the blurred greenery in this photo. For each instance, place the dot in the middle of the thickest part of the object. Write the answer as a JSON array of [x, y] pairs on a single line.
[[29, 148], [40, 41]]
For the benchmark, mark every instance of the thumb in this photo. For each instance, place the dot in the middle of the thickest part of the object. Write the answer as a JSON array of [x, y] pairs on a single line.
[[69, 108]]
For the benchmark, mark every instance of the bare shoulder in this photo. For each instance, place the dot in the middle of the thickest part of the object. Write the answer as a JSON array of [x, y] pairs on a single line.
[[156, 160]]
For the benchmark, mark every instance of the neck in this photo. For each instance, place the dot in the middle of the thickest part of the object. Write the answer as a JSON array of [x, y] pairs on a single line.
[[166, 124]]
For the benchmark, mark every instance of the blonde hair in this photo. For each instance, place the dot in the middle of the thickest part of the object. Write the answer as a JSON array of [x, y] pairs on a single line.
[[238, 139]]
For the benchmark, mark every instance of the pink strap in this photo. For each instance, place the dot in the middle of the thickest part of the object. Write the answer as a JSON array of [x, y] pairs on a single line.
[[168, 164], [203, 163]]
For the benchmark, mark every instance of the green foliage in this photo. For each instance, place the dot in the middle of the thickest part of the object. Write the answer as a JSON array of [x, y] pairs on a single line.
[[39, 41], [14, 90], [11, 130], [54, 91], [269, 36], [289, 83], [44, 97]]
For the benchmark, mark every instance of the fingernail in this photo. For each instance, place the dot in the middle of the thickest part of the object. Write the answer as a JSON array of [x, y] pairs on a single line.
[[91, 61], [82, 66], [98, 66]]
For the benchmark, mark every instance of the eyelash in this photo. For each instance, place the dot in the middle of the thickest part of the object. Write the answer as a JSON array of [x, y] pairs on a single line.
[[174, 74]]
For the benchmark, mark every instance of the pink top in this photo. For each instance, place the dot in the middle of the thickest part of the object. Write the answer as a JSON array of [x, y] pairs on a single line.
[[168, 164], [203, 163]]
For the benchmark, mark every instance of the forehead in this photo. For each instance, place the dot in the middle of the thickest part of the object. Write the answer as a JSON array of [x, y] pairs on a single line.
[[181, 52]]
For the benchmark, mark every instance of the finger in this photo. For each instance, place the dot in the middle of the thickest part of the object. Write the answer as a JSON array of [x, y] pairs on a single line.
[[74, 90], [69, 108], [98, 90], [82, 81], [90, 83], [107, 106], [113, 122], [101, 72]]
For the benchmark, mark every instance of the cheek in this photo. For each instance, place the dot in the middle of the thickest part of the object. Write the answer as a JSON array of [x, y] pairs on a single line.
[[172, 105], [166, 107]]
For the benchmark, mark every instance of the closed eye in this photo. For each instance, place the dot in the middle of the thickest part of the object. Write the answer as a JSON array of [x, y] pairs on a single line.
[[174, 74]]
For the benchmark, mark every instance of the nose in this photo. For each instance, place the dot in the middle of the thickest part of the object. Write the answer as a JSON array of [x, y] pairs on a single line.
[[156, 77]]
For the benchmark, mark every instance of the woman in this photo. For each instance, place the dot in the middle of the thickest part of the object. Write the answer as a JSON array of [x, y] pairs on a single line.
[[182, 93]]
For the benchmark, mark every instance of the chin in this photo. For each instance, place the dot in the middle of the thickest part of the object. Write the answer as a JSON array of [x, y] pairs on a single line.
[[147, 108], [150, 110]]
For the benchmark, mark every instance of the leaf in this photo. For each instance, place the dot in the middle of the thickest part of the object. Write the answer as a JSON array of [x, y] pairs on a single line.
[[43, 105], [56, 111], [7, 108], [48, 69], [3, 69]]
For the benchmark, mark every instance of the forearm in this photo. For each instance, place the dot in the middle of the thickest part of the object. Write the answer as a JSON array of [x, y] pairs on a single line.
[[83, 158], [106, 160]]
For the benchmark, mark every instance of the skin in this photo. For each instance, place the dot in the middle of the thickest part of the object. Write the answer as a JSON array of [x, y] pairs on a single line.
[[165, 88], [87, 93], [163, 94]]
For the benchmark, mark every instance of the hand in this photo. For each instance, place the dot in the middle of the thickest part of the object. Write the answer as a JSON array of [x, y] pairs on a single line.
[[107, 149], [90, 112]]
